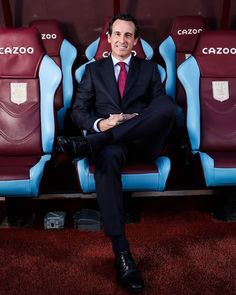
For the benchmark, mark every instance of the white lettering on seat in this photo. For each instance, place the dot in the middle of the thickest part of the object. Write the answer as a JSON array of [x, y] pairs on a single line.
[[219, 50], [16, 50], [106, 54], [48, 36], [189, 31]]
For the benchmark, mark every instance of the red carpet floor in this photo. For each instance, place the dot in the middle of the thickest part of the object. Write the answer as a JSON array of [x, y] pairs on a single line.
[[179, 252]]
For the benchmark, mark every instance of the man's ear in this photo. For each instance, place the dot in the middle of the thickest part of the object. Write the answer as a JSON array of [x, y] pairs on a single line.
[[135, 41], [108, 38]]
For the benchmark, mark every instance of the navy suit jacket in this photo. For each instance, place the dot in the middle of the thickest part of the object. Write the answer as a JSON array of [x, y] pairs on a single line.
[[98, 94]]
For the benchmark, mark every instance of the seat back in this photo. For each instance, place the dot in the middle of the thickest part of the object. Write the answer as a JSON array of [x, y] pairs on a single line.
[[216, 58], [64, 54], [28, 81], [135, 176], [177, 47], [27, 92], [100, 48], [211, 92], [209, 78]]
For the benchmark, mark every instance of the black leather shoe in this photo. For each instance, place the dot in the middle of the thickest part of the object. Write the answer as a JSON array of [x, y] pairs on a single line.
[[127, 273], [74, 147]]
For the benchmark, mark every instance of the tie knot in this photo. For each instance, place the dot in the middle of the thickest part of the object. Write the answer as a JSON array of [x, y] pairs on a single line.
[[122, 65]]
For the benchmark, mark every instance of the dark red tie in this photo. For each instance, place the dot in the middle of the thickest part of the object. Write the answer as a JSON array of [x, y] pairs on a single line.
[[122, 78]]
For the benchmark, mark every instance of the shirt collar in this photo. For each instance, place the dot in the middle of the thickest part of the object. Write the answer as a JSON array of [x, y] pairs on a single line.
[[126, 61]]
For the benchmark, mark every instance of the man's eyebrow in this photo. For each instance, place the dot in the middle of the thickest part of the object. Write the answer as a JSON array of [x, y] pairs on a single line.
[[126, 33]]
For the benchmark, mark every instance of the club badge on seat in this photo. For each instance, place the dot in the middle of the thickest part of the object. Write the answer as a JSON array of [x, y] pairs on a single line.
[[18, 93], [220, 90]]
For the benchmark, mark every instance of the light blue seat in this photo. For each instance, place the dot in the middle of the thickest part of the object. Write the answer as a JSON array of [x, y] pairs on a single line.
[[29, 80], [175, 49], [91, 50], [100, 48], [209, 79], [140, 177], [151, 177], [64, 54], [80, 71]]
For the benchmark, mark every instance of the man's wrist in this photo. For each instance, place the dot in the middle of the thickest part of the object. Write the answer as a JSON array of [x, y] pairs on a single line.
[[98, 124], [95, 125]]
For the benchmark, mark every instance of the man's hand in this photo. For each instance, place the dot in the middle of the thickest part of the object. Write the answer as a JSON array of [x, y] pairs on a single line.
[[114, 120], [129, 116]]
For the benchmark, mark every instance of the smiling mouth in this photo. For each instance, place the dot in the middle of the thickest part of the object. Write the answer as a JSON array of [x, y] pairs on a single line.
[[121, 47]]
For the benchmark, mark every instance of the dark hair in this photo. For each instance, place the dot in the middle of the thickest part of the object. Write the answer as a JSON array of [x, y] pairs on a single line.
[[126, 17]]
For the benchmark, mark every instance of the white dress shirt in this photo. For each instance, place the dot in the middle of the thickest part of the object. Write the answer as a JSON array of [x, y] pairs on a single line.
[[116, 71]]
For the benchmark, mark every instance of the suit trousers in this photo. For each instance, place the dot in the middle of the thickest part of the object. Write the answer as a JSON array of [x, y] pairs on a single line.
[[146, 134]]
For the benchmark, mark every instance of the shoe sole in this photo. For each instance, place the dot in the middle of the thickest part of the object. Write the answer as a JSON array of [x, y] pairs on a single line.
[[123, 285]]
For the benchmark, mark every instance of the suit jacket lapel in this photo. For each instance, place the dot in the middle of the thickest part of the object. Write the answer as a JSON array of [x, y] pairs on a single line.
[[110, 80], [111, 83], [132, 74]]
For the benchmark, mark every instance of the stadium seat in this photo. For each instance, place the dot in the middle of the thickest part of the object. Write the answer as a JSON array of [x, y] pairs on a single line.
[[209, 79], [28, 81], [64, 54], [101, 48], [177, 47], [135, 177]]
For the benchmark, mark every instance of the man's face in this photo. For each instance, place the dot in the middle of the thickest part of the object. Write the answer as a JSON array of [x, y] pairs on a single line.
[[122, 38]]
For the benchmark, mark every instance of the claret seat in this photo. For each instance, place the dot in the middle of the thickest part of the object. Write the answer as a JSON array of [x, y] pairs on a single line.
[[135, 176], [175, 49], [101, 48], [64, 54], [28, 81], [209, 79]]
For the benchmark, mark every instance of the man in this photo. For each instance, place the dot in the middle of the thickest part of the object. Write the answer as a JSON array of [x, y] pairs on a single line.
[[122, 113]]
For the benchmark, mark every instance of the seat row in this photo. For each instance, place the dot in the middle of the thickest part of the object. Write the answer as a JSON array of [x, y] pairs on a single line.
[[30, 82]]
